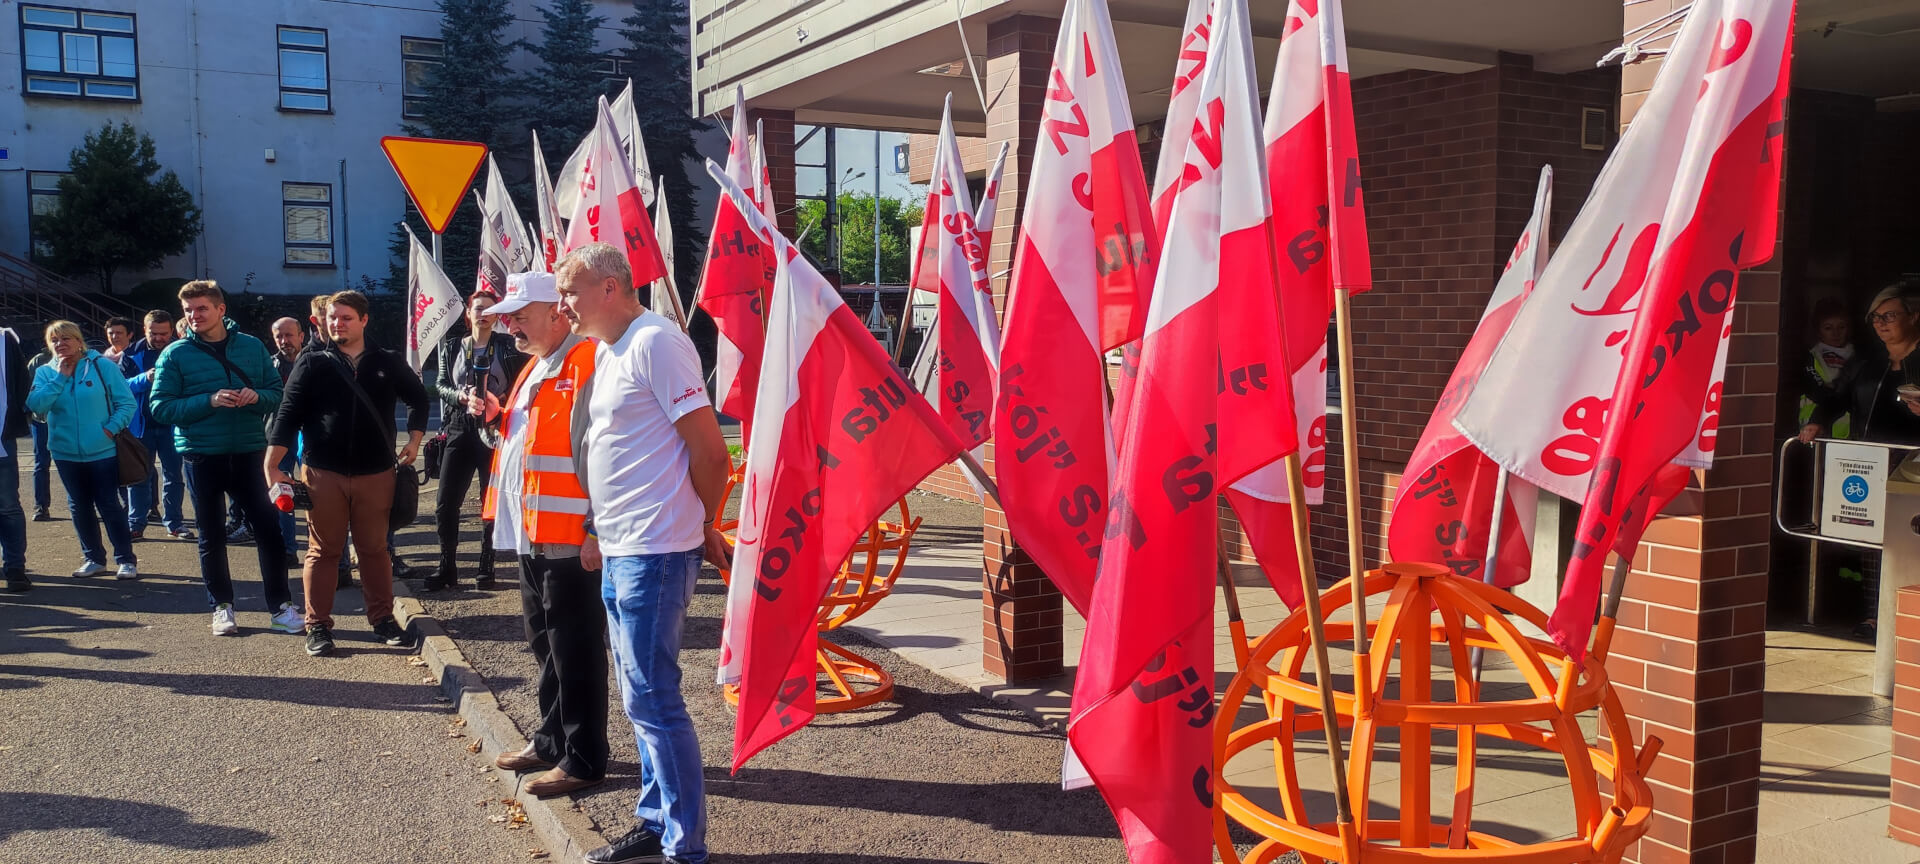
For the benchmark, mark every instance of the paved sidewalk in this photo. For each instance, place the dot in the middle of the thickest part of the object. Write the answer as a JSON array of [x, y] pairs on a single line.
[[129, 733]]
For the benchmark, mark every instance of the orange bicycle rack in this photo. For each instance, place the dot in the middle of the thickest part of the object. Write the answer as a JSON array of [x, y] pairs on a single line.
[[1470, 614], [864, 579]]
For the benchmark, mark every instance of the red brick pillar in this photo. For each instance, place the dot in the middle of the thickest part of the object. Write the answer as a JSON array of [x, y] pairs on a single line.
[[1689, 657], [1022, 608], [778, 127], [1903, 820]]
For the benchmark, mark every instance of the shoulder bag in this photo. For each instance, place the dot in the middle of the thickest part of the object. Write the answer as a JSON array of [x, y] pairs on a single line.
[[406, 480], [135, 461]]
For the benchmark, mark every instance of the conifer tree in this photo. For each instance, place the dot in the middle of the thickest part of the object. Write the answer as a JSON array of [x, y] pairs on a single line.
[[470, 97], [656, 46], [571, 76], [114, 214]]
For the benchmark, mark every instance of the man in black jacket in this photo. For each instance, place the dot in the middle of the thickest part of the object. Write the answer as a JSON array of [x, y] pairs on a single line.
[[340, 399], [472, 365], [13, 424]]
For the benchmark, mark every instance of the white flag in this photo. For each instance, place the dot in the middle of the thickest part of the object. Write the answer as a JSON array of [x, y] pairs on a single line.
[[497, 204], [432, 303], [666, 291], [546, 208], [626, 125]]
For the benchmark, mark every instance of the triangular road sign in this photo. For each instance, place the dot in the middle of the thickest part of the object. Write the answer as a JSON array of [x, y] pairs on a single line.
[[435, 172]]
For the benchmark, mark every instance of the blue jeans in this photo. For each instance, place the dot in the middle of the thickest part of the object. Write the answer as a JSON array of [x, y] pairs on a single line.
[[212, 478], [173, 487], [646, 598], [13, 520], [92, 498], [42, 468]]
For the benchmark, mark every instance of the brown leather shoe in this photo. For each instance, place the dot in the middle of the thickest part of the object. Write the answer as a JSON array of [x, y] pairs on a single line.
[[556, 782], [525, 760]]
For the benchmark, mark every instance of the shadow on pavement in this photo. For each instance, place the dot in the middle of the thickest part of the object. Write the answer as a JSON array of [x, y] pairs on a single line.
[[317, 691], [1036, 808], [152, 824]]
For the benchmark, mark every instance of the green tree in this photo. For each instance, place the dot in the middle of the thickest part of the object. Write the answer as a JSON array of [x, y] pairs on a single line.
[[114, 213], [565, 86], [856, 236], [470, 97], [656, 42]]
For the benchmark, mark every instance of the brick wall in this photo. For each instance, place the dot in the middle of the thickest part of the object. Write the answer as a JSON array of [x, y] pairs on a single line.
[[1903, 820], [951, 482], [778, 126], [975, 156]]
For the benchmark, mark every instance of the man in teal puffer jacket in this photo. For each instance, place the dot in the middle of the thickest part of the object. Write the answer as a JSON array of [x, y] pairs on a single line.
[[216, 386]]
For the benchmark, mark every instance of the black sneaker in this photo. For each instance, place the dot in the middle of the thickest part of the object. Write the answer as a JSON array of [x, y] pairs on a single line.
[[319, 641], [437, 582], [40, 514], [390, 632], [17, 583], [239, 535], [484, 582], [639, 846]]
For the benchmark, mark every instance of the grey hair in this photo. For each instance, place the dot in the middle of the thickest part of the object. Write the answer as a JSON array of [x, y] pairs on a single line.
[[601, 261], [1907, 291]]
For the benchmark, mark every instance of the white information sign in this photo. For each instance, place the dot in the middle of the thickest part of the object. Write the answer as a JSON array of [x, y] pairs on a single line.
[[1853, 503]]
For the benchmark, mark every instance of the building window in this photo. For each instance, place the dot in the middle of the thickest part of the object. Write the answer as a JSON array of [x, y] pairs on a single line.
[[618, 71], [303, 70], [78, 54], [43, 199], [307, 215], [419, 61]]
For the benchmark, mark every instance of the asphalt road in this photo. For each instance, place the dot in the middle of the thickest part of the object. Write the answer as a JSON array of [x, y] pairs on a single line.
[[129, 733]]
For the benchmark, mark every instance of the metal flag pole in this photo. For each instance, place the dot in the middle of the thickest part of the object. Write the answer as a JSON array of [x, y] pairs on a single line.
[[436, 249], [1493, 550]]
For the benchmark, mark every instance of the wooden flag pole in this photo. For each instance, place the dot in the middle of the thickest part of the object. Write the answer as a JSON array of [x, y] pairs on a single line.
[[1493, 550], [1350, 467], [1317, 631], [1230, 594], [1610, 608], [980, 475]]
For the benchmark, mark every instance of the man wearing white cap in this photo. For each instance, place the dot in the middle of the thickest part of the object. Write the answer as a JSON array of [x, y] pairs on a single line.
[[538, 503]]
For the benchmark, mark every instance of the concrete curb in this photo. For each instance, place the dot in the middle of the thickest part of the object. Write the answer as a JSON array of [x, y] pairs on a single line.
[[566, 834]]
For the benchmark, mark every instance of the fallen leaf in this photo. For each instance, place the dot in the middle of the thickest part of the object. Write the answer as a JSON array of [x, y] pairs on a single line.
[[459, 722], [497, 820], [416, 660], [5, 747], [427, 680], [316, 758], [234, 770], [483, 802], [536, 853], [386, 752], [474, 747]]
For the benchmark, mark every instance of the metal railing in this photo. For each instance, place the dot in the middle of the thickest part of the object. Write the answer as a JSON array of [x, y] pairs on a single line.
[[1810, 529], [32, 294]]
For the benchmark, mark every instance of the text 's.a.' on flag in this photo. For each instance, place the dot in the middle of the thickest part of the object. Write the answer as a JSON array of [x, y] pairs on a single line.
[[1443, 512], [1607, 388], [1143, 699], [1056, 450], [841, 438], [967, 327]]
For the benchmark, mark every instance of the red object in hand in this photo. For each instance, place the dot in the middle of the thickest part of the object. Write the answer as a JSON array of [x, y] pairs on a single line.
[[283, 497]]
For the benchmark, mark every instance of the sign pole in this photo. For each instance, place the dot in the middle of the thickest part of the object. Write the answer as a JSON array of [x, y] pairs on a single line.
[[436, 250]]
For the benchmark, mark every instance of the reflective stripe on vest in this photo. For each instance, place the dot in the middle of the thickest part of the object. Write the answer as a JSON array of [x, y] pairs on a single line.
[[553, 506]]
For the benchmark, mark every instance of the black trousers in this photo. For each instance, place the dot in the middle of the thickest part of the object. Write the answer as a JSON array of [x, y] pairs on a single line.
[[212, 479], [566, 628], [466, 455]]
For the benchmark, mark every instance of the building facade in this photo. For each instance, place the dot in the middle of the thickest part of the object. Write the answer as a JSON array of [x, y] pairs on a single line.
[[270, 113]]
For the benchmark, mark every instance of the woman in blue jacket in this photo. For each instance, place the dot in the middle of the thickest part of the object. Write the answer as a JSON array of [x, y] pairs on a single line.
[[86, 402]]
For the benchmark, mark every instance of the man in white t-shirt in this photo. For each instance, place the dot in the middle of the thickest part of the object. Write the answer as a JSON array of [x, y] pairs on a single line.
[[656, 470]]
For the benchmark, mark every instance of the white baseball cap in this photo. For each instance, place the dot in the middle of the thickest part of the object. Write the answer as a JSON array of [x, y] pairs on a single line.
[[524, 288]]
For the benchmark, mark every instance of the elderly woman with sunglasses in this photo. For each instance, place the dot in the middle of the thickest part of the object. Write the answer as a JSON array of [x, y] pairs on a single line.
[[86, 402], [1868, 387]]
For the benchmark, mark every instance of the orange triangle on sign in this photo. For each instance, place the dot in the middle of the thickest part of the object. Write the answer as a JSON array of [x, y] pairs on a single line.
[[435, 172]]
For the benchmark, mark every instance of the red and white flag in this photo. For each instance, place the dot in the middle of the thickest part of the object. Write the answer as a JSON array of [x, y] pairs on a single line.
[[986, 211], [1320, 243], [666, 289], [433, 305], [515, 244], [968, 328], [734, 284], [1443, 510], [1635, 310], [610, 209], [762, 189], [841, 438], [1056, 451], [626, 125], [546, 209], [1143, 701]]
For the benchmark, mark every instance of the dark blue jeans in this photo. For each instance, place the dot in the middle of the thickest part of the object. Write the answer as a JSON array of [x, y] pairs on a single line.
[[93, 497], [42, 468], [211, 479], [173, 489], [13, 520]]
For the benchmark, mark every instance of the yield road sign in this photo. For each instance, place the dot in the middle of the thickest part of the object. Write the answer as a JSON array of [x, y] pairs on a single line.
[[435, 172]]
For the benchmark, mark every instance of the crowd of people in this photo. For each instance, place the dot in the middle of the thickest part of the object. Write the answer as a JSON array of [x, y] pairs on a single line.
[[582, 415]]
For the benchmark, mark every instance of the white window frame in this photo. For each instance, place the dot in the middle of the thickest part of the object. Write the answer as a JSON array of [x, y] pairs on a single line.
[[290, 39]]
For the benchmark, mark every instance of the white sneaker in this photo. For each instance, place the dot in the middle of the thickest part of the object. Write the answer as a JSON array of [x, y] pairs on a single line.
[[127, 571], [223, 623], [89, 568], [288, 620]]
